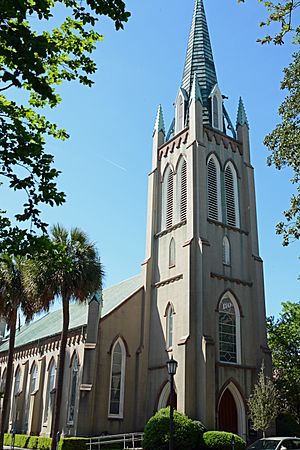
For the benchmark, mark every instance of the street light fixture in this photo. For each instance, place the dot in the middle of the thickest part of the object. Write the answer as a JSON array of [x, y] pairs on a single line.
[[172, 367]]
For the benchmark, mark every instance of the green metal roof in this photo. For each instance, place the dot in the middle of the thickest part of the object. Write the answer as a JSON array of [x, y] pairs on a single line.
[[241, 115], [159, 122], [51, 323], [199, 58]]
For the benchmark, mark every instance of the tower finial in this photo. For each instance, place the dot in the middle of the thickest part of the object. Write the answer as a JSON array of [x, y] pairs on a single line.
[[199, 56], [241, 115], [159, 122]]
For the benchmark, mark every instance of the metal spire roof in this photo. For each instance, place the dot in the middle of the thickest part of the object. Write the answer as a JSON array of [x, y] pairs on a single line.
[[199, 57], [241, 115], [159, 122]]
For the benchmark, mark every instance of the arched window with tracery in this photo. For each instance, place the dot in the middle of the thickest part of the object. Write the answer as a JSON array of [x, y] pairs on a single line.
[[231, 196], [168, 199], [214, 189], [172, 253], [50, 390], [73, 388], [17, 381], [3, 381], [229, 330], [169, 326], [117, 379], [226, 251]]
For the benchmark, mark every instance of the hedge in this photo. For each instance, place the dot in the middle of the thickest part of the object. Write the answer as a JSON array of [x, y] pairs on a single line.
[[44, 443], [221, 440], [187, 433]]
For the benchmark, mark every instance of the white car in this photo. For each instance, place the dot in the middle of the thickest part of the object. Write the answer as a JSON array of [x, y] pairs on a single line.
[[276, 443]]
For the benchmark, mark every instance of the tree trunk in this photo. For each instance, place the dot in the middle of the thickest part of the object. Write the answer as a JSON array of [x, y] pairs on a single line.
[[60, 372], [9, 376]]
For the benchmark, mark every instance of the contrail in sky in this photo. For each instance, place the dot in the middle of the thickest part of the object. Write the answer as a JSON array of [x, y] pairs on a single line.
[[115, 164]]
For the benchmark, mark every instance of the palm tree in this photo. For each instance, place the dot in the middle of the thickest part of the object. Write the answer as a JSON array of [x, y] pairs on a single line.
[[12, 296], [72, 271]]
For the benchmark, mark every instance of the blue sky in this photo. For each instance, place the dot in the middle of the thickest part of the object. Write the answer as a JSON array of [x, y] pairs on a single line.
[[106, 161]]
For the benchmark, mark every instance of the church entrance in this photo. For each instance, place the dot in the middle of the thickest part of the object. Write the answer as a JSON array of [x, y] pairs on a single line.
[[228, 417]]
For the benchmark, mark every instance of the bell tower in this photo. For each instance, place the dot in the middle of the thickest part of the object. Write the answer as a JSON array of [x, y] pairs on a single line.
[[203, 276]]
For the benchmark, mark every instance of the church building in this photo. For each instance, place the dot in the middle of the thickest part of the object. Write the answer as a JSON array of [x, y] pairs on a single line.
[[199, 295]]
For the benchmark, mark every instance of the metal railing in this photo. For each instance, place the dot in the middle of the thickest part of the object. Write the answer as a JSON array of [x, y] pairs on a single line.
[[129, 440]]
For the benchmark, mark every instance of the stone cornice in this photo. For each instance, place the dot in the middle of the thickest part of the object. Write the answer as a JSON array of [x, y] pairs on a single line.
[[228, 227], [176, 141], [231, 280], [169, 280], [221, 137], [168, 230]]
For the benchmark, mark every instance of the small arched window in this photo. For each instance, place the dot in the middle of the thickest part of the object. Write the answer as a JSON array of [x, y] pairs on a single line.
[[183, 191], [172, 253], [33, 379], [3, 381], [231, 196], [117, 379], [50, 390], [215, 112], [229, 330], [17, 381], [169, 326], [214, 189], [226, 251], [73, 388]]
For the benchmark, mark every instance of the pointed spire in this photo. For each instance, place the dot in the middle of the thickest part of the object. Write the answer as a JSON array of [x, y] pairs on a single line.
[[159, 122], [241, 116], [196, 90], [199, 56]]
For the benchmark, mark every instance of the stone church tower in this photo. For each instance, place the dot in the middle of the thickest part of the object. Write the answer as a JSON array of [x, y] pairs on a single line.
[[203, 275]]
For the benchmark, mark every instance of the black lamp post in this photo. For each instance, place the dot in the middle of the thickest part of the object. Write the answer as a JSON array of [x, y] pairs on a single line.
[[172, 367]]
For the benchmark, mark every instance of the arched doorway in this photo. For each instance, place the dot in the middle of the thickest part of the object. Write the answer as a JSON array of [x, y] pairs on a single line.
[[232, 411], [228, 420]]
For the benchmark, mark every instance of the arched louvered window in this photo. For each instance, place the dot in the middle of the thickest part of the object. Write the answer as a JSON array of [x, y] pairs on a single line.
[[172, 254], [117, 379], [215, 112], [167, 199], [226, 251], [183, 191], [229, 330], [169, 325], [169, 205], [50, 390], [231, 196], [213, 189], [73, 388]]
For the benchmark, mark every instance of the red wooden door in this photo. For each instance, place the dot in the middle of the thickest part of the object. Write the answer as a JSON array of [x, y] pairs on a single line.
[[228, 413]]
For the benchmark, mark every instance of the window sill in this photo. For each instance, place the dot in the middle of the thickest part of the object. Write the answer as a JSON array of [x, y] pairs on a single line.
[[228, 227], [168, 230], [115, 417]]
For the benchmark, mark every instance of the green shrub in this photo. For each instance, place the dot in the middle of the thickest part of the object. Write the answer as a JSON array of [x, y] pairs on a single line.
[[7, 439], [33, 442], [187, 433], [21, 440], [73, 443], [221, 440], [44, 443]]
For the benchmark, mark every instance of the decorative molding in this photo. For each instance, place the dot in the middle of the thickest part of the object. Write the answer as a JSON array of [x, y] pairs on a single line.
[[176, 141], [257, 258], [90, 346], [224, 225], [232, 280], [183, 340], [168, 230], [220, 137], [187, 243], [208, 340], [204, 241], [169, 280], [164, 366], [85, 387]]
